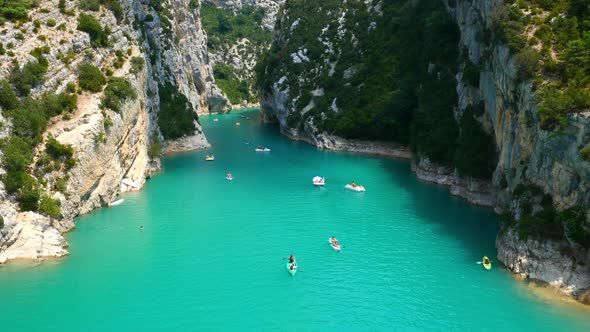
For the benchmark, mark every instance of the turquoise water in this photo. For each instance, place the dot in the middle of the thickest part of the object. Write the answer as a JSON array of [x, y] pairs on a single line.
[[211, 254]]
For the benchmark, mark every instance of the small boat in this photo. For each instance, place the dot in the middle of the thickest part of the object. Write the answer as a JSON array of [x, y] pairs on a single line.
[[237, 124], [117, 202], [355, 187], [215, 120], [262, 149], [229, 177], [210, 158], [293, 270], [247, 118], [335, 245], [130, 183], [488, 265], [318, 181]]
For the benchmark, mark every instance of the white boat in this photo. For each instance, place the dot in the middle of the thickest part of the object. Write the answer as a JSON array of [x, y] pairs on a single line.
[[293, 270], [262, 149], [355, 188], [215, 120], [237, 124], [210, 158], [130, 183], [117, 202], [335, 246], [229, 177], [318, 181]]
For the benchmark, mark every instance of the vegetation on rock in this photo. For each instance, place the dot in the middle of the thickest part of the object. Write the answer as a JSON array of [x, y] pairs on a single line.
[[90, 78], [176, 117], [117, 91]]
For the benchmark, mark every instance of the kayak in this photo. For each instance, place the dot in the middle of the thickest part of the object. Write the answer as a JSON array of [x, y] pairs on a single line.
[[292, 272], [488, 265], [356, 188], [262, 149], [318, 181], [117, 202], [334, 246]]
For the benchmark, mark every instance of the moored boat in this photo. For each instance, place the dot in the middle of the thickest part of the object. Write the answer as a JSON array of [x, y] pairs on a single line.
[[117, 202], [318, 181]]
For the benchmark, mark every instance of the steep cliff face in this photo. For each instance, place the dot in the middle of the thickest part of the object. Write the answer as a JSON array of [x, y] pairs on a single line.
[[108, 146], [536, 173], [177, 44], [238, 33], [527, 154]]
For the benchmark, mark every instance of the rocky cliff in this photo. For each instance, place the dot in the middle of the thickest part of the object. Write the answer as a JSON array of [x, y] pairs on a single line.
[[148, 46], [238, 33], [536, 172]]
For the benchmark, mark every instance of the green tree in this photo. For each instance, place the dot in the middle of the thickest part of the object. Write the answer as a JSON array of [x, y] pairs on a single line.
[[90, 78]]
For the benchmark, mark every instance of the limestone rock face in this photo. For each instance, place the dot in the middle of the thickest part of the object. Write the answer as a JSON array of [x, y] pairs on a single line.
[[108, 146], [527, 154], [32, 237], [243, 55], [180, 56], [555, 263]]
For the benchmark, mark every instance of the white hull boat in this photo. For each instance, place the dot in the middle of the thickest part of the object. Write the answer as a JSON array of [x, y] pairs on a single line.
[[319, 181], [355, 188]]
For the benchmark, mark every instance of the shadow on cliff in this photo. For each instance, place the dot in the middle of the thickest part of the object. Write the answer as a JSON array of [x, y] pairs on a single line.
[[472, 226]]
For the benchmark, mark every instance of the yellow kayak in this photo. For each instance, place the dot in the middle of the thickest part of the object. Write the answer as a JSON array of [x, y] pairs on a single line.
[[488, 265]]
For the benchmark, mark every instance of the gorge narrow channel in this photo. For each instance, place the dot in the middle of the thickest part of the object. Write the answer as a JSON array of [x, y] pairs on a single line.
[[211, 251]]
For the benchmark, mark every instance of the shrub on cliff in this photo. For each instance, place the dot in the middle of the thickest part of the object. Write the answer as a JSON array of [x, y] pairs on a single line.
[[155, 149], [50, 206], [137, 64], [117, 91], [16, 154], [15, 9], [471, 74], [90, 78], [176, 116], [577, 226], [8, 100], [57, 150], [1, 222], [25, 78], [56, 104], [90, 25], [475, 153], [585, 153]]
